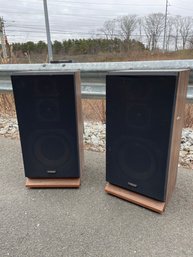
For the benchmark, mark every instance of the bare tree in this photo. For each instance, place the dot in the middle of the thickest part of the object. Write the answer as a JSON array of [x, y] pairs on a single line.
[[190, 41], [169, 31], [153, 27], [176, 32], [127, 24], [185, 29], [109, 28]]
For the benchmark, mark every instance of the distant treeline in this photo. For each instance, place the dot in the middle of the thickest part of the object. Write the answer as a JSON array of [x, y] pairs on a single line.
[[80, 46]]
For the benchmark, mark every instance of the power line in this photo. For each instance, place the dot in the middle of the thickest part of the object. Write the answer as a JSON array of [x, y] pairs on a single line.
[[85, 33], [179, 7], [97, 3], [75, 15], [30, 28]]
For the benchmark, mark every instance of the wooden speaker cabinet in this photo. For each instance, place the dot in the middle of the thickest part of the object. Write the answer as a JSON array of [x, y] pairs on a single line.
[[144, 114], [49, 113]]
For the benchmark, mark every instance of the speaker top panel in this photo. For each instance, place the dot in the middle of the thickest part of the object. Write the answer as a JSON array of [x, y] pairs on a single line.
[[39, 73], [146, 72]]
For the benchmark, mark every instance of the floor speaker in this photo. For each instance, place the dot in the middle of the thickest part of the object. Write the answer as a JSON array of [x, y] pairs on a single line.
[[48, 106], [144, 122]]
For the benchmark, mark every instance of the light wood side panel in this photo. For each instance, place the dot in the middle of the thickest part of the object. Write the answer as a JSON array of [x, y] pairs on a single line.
[[79, 117], [178, 121]]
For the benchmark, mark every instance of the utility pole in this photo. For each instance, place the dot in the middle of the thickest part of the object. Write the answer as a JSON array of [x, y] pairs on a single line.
[[165, 25], [49, 42], [2, 38]]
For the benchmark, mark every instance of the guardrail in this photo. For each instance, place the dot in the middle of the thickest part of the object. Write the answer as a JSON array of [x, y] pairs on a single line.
[[93, 74]]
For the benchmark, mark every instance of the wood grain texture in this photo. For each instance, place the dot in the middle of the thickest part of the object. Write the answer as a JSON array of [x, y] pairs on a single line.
[[79, 119], [178, 121], [53, 183], [135, 198]]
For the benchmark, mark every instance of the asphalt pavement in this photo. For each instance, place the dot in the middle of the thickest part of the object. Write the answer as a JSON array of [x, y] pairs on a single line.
[[87, 222]]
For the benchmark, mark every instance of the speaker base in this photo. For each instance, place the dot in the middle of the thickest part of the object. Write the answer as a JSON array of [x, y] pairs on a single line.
[[53, 183], [135, 198]]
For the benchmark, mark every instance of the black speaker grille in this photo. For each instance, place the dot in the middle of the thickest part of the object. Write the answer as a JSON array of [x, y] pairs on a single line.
[[46, 112], [139, 119]]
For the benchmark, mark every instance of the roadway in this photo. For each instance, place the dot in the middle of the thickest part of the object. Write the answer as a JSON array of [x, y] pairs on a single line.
[[87, 222]]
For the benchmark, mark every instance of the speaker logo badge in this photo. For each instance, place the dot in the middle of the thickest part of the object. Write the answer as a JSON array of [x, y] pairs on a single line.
[[51, 171], [132, 184]]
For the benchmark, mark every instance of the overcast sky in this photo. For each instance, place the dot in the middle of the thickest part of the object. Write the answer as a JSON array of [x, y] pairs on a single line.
[[24, 19]]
